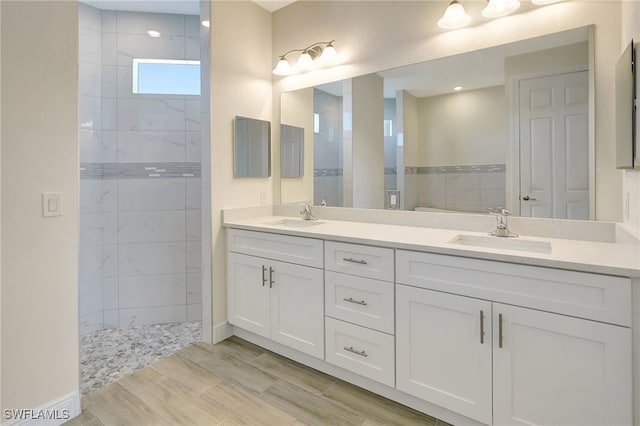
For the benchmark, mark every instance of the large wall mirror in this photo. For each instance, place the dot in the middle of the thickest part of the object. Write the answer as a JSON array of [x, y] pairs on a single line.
[[508, 126]]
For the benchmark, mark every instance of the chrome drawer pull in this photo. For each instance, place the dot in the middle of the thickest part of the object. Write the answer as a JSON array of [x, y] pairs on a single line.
[[352, 260], [481, 327], [355, 351], [352, 300]]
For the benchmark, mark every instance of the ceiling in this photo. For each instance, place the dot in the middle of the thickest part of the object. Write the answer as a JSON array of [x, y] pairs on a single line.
[[473, 70], [183, 7]]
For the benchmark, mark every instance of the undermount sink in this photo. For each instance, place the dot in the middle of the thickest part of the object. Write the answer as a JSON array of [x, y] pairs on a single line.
[[517, 244], [294, 223]]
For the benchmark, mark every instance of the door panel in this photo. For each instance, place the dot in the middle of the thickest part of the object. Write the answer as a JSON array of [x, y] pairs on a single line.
[[297, 307], [439, 353], [248, 299], [554, 146], [552, 369]]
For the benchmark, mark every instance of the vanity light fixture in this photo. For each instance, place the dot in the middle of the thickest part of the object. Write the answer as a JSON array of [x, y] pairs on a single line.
[[154, 33], [454, 17], [321, 52], [499, 8]]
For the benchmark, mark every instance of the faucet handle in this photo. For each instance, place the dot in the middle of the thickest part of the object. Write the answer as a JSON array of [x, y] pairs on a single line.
[[499, 211]]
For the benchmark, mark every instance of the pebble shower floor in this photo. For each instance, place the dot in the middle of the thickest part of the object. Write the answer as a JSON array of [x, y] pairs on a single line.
[[110, 354]]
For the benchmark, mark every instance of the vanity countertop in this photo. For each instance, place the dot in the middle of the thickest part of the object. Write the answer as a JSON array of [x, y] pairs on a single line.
[[587, 256]]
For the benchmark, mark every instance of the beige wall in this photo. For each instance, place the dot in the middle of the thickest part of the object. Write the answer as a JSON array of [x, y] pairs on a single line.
[[465, 128], [39, 154], [631, 183], [411, 35], [298, 105], [240, 85], [367, 141]]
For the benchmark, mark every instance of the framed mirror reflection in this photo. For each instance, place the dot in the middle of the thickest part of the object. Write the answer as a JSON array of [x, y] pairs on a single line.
[[508, 126]]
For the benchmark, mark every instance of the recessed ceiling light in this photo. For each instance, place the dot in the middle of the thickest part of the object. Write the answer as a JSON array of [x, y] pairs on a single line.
[[153, 33], [206, 23], [457, 88]]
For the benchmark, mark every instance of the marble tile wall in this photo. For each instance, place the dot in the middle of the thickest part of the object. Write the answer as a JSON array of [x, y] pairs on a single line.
[[472, 189], [140, 188]]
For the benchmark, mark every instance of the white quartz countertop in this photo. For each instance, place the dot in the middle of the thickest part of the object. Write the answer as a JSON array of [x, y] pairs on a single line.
[[587, 256]]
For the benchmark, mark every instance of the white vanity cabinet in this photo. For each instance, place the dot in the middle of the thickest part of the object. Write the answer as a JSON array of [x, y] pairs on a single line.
[[478, 354], [359, 308], [272, 297]]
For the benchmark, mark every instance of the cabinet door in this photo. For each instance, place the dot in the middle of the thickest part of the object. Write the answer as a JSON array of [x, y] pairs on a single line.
[[551, 369], [297, 307], [440, 355], [248, 298]]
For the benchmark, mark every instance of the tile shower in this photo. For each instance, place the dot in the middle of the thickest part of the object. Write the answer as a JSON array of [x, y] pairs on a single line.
[[140, 184]]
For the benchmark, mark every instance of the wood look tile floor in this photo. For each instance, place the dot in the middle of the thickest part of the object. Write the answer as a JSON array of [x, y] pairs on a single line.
[[238, 383]]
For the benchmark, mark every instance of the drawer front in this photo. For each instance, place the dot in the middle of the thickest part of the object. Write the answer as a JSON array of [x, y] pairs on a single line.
[[300, 250], [592, 296], [355, 259], [362, 301], [361, 350]]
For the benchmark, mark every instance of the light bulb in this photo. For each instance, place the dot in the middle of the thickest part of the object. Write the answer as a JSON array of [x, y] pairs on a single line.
[[154, 33], [304, 61], [454, 17], [499, 8], [329, 54], [282, 67]]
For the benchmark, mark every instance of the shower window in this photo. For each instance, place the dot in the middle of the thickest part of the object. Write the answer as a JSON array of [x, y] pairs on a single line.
[[166, 76]]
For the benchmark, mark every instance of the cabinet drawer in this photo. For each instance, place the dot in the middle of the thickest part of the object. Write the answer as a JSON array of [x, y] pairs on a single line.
[[300, 250], [355, 259], [580, 294], [362, 301], [361, 350]]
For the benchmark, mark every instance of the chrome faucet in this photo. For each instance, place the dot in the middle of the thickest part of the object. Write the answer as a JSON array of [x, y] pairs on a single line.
[[502, 223], [306, 212]]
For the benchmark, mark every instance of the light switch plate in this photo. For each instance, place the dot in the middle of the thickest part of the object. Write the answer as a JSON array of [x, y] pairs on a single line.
[[51, 204]]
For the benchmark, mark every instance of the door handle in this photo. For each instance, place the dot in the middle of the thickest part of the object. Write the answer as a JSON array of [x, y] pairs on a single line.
[[527, 198], [271, 282], [499, 330]]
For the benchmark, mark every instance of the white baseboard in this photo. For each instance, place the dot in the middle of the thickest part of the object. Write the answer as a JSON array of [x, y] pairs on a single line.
[[222, 332], [53, 413]]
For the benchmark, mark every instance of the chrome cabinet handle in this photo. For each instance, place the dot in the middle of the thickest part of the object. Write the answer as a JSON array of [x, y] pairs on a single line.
[[271, 282], [352, 260], [499, 330], [355, 351], [352, 300], [481, 327], [264, 277]]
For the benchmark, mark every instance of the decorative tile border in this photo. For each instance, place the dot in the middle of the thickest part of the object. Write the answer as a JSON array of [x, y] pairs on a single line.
[[480, 168], [327, 172], [138, 170], [338, 172]]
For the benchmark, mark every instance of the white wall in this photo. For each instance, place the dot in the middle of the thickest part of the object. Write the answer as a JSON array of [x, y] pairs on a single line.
[[411, 35], [631, 180], [240, 85], [39, 154]]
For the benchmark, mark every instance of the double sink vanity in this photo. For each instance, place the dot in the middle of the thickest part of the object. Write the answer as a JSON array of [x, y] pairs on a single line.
[[466, 327]]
